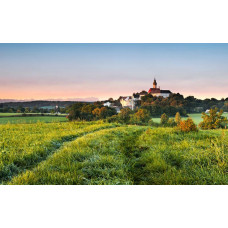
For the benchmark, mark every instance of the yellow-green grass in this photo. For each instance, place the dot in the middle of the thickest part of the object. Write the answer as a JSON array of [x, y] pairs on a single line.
[[136, 155], [10, 114], [24, 145], [166, 156], [32, 119], [101, 153], [97, 158]]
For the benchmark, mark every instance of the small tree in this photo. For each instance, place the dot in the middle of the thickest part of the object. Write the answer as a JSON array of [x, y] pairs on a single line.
[[177, 118], [96, 113], [27, 110], [213, 120], [124, 115], [142, 115], [187, 125], [164, 119]]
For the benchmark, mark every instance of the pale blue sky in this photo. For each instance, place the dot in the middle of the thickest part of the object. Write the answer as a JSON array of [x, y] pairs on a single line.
[[42, 71]]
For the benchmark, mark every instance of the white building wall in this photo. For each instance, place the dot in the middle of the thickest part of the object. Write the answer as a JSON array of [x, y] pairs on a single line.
[[165, 95], [107, 104]]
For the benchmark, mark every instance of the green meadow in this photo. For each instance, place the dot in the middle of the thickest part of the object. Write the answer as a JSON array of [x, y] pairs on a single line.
[[32, 119], [196, 117], [62, 118], [10, 114], [88, 153]]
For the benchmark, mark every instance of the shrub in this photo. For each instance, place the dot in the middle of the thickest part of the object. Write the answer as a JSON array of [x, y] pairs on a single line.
[[164, 119], [213, 120], [81, 111], [171, 123], [177, 118], [124, 115], [142, 116], [187, 125], [114, 118]]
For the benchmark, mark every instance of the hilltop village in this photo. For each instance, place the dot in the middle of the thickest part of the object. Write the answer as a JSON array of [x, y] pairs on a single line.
[[133, 101], [156, 100]]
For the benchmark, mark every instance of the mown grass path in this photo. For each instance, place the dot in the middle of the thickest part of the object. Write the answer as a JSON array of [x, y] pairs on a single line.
[[20, 152], [102, 157]]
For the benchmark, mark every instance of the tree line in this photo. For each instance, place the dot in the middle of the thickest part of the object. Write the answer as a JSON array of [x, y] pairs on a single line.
[[177, 103]]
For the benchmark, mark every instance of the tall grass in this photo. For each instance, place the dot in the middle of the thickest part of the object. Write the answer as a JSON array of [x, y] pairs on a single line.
[[23, 146], [99, 153], [96, 158], [170, 157]]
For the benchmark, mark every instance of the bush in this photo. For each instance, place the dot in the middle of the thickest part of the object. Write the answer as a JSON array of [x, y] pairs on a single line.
[[177, 118], [112, 119], [164, 119], [213, 120], [142, 116], [171, 123], [124, 115], [187, 125], [81, 111]]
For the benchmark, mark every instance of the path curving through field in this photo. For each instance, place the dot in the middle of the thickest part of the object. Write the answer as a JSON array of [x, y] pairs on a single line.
[[14, 162], [101, 157]]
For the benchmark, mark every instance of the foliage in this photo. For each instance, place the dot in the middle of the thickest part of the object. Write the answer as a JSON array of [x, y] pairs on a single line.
[[213, 120], [124, 115], [142, 116], [177, 103], [177, 118], [171, 122], [187, 125], [164, 119], [157, 109], [80, 111]]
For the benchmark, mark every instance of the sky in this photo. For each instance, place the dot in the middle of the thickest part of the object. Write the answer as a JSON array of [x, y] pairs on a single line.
[[100, 71]]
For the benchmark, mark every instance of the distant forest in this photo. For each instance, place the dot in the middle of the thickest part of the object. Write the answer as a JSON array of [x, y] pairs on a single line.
[[177, 103]]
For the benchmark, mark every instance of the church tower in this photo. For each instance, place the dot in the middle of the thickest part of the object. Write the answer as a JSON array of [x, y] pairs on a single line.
[[155, 84]]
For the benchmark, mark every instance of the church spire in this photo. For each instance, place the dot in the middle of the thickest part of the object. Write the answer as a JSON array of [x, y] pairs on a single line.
[[155, 84]]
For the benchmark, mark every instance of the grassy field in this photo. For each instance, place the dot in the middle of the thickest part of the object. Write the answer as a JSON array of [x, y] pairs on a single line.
[[62, 118], [22, 146], [32, 119], [196, 117], [10, 114], [101, 153], [20, 114]]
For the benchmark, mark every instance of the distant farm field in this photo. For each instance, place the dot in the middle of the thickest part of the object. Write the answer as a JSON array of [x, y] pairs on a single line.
[[197, 117], [32, 119], [62, 118], [10, 114], [108, 153]]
